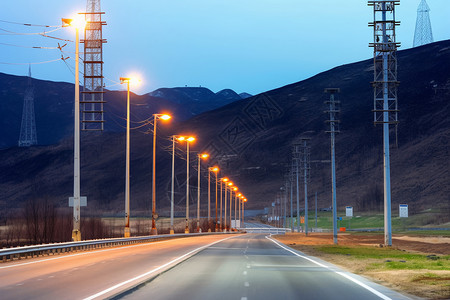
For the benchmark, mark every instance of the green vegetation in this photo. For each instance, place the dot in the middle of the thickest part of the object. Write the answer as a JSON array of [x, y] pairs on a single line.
[[390, 259], [373, 220]]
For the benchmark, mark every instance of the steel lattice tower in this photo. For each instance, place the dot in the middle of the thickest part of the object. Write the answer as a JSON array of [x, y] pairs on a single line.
[[28, 136], [92, 103], [333, 111], [385, 89], [423, 34]]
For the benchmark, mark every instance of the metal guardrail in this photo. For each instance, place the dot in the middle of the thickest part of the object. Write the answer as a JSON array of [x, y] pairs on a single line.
[[9, 254], [273, 230]]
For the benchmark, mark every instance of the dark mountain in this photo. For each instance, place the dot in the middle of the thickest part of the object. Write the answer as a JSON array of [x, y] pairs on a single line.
[[245, 95], [252, 140], [196, 100], [54, 108]]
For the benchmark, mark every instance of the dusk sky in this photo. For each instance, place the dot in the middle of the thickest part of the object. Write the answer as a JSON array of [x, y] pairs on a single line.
[[246, 45]]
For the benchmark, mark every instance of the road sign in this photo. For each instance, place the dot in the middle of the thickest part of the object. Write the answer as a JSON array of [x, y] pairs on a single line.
[[349, 211], [403, 210], [83, 201]]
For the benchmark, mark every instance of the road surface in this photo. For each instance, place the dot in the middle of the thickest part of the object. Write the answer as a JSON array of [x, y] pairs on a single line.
[[245, 267]]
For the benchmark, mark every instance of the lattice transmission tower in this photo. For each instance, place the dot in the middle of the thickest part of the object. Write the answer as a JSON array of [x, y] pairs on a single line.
[[385, 89], [28, 135], [92, 102], [423, 34]]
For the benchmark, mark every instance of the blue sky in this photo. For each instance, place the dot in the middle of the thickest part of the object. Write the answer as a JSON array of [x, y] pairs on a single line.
[[247, 45]]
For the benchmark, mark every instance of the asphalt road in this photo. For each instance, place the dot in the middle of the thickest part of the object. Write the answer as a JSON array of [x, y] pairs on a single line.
[[255, 267], [250, 266], [95, 274]]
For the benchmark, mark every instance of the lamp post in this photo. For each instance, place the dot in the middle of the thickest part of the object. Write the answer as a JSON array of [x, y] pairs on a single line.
[[164, 117], [229, 184], [243, 210], [239, 198], [235, 189], [77, 23], [188, 140], [215, 170], [172, 231], [200, 156], [222, 180], [127, 80]]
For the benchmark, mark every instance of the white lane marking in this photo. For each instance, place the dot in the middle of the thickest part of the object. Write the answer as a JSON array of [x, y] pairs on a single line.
[[79, 254], [244, 298], [372, 290], [180, 258], [246, 284], [244, 273]]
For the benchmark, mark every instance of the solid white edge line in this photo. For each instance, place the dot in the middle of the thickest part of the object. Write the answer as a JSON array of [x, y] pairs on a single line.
[[154, 270], [79, 254], [372, 290]]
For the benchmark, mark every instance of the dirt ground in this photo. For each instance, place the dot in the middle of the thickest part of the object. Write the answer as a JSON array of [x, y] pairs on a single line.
[[405, 281]]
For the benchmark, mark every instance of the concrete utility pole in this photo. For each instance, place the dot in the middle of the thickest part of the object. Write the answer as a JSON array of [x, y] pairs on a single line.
[[385, 89], [333, 111]]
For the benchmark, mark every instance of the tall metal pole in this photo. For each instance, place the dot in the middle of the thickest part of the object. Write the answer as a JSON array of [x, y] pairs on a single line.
[[231, 203], [221, 195], [186, 229], [387, 164], [198, 194], [154, 231], [333, 111], [305, 179], [217, 225], [127, 171], [316, 209], [225, 212], [76, 233], [385, 90], [298, 198], [291, 187], [172, 231], [209, 200]]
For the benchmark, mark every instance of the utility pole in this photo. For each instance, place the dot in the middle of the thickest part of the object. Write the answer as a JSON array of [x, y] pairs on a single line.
[[385, 89], [296, 160], [305, 168], [333, 111]]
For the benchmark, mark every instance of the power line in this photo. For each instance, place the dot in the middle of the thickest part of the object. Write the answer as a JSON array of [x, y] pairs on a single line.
[[28, 24], [9, 32], [33, 63], [31, 47]]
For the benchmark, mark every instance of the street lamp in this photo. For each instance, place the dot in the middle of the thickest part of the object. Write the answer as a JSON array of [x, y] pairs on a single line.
[[215, 170], [188, 140], [163, 117], [127, 80], [77, 23], [235, 189], [200, 156], [243, 210], [174, 137], [222, 180], [229, 184]]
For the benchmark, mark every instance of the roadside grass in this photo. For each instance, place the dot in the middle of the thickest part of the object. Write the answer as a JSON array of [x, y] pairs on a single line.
[[389, 259], [371, 220]]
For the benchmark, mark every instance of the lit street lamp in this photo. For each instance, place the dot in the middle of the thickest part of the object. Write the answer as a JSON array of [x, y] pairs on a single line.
[[215, 170], [221, 195], [199, 158], [243, 211], [235, 189], [77, 23], [163, 117], [188, 140], [127, 80], [229, 184], [172, 231]]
